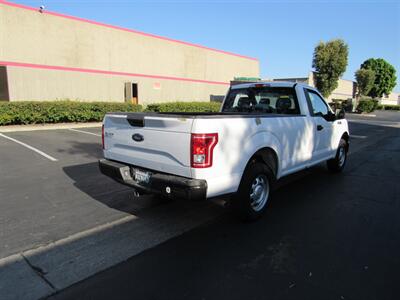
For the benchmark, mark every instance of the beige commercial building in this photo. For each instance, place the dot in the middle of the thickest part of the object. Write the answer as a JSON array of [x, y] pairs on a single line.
[[392, 99], [346, 88], [49, 56]]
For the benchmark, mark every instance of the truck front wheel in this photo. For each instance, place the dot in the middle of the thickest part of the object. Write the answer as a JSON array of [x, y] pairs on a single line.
[[251, 200], [337, 164]]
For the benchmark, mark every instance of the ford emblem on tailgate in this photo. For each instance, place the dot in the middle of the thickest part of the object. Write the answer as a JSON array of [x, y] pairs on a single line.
[[137, 137]]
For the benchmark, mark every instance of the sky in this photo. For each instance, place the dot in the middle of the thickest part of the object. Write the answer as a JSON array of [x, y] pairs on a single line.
[[281, 34]]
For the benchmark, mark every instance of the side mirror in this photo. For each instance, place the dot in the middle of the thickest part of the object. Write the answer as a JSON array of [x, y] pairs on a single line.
[[330, 116], [340, 114]]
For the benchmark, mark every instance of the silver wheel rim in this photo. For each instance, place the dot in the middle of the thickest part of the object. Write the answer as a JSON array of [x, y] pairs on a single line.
[[259, 192], [342, 156]]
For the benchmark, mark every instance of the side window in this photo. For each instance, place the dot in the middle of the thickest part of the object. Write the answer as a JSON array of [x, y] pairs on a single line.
[[317, 105]]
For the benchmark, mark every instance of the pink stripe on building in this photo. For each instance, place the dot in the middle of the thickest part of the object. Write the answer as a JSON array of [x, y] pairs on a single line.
[[116, 73]]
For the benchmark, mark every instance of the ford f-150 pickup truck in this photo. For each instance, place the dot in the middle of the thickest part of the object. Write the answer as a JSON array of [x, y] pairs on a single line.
[[264, 131]]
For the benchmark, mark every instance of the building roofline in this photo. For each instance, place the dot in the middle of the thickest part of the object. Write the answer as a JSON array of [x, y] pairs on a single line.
[[270, 84], [5, 2], [300, 77], [339, 78], [290, 78]]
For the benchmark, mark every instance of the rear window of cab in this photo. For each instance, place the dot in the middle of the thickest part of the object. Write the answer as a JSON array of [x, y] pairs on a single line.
[[265, 100]]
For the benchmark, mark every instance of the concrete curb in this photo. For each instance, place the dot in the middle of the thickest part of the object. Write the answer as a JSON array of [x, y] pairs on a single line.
[[368, 115], [361, 115], [41, 272], [377, 123], [34, 127]]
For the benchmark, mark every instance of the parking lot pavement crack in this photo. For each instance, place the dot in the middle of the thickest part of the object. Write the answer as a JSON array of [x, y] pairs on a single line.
[[70, 260], [39, 271], [19, 280]]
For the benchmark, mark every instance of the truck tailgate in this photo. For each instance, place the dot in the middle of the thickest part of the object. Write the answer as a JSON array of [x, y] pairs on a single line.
[[151, 141]]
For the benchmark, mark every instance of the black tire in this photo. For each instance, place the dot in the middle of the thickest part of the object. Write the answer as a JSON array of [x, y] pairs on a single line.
[[338, 163], [246, 207]]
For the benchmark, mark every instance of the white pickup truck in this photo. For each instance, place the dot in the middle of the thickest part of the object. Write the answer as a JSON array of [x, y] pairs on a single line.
[[264, 131]]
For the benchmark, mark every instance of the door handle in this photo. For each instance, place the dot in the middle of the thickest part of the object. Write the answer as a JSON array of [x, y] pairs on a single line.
[[320, 127]]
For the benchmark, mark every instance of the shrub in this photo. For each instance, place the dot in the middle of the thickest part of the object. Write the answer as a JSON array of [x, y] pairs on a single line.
[[389, 107], [184, 107], [32, 112], [347, 104], [367, 105]]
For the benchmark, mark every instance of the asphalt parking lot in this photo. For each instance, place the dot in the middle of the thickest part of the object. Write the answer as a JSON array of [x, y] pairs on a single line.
[[48, 200], [45, 200], [324, 237], [52, 193]]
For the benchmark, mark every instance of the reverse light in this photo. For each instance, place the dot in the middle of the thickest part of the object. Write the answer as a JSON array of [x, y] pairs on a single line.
[[202, 147]]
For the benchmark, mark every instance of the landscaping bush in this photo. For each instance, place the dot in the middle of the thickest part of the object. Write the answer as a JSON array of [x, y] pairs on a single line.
[[389, 107], [32, 112], [35, 112], [367, 105], [184, 107], [338, 104]]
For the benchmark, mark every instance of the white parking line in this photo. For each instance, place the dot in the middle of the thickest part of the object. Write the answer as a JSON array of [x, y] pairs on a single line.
[[83, 131], [29, 147]]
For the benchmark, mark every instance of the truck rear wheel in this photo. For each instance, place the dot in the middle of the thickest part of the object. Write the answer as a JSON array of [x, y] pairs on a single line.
[[251, 200], [337, 164]]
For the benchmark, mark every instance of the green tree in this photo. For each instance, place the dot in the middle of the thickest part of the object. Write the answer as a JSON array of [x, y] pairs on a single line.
[[329, 62], [385, 76], [365, 81]]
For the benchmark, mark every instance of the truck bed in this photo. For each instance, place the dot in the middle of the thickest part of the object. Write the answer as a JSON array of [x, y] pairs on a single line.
[[202, 115]]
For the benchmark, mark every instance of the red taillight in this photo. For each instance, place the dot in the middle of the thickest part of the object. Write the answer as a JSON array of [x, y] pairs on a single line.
[[102, 136], [202, 146]]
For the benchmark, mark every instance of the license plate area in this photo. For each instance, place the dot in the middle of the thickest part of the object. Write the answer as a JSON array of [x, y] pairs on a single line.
[[141, 176]]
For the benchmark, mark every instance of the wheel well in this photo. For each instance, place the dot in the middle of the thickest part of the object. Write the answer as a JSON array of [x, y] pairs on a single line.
[[267, 156], [346, 137]]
